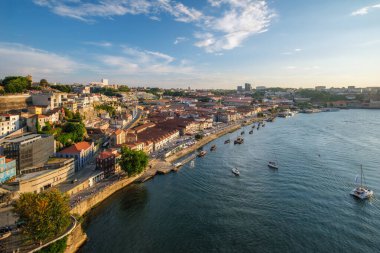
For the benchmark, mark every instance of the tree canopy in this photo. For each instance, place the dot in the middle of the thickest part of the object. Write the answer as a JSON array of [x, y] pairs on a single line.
[[44, 215], [133, 161], [62, 87], [44, 82], [15, 84]]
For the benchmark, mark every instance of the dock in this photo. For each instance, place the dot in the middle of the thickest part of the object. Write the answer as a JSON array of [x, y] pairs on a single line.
[[184, 161]]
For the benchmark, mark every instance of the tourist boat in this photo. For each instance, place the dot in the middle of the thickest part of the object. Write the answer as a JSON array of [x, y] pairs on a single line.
[[272, 165], [213, 148], [202, 153], [251, 132], [361, 191], [227, 141], [239, 140], [236, 172]]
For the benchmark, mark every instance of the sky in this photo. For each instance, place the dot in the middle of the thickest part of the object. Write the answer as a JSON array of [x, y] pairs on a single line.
[[196, 43]]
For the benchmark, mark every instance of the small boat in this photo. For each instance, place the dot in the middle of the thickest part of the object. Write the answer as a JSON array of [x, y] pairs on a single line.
[[213, 148], [242, 132], [236, 172], [239, 140], [361, 191], [272, 165], [177, 165], [192, 164], [227, 141], [253, 127], [202, 153], [251, 132], [258, 127], [263, 125]]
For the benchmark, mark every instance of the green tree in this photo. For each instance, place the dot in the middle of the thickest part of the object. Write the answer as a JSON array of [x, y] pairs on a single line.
[[45, 215], [133, 161], [44, 82], [68, 114], [124, 88], [56, 247], [63, 88], [15, 84], [199, 136]]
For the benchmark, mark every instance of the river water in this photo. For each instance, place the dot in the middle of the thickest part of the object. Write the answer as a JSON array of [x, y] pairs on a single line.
[[305, 206]]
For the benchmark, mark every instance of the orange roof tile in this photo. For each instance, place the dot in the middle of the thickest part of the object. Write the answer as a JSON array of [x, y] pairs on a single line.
[[76, 148]]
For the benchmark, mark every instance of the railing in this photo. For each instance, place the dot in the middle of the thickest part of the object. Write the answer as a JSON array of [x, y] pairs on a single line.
[[58, 238]]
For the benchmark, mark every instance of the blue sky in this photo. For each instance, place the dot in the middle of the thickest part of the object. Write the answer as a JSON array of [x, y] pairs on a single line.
[[197, 43]]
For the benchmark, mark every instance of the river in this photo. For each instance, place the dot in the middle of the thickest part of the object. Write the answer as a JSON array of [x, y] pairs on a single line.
[[304, 206]]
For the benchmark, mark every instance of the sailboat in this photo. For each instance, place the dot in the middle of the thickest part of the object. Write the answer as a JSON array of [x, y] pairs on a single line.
[[273, 164], [361, 191]]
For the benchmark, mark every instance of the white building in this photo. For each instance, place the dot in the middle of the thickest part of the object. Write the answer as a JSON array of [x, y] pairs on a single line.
[[105, 82], [8, 124]]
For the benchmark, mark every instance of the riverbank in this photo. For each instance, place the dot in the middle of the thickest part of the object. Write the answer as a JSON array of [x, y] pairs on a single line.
[[202, 142]]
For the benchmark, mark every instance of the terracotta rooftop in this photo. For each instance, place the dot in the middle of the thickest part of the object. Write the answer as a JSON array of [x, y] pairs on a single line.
[[76, 148]]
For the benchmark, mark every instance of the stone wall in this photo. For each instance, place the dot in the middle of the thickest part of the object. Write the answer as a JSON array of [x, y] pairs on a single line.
[[87, 204], [76, 239], [14, 102]]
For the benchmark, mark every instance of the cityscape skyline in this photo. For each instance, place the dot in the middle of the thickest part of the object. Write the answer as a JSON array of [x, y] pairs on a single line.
[[214, 44]]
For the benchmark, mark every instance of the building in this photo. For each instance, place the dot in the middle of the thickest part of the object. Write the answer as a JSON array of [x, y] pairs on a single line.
[[118, 137], [261, 88], [29, 150], [105, 82], [8, 124], [108, 162], [320, 88], [54, 172], [240, 89], [81, 152], [50, 99], [247, 87], [7, 169]]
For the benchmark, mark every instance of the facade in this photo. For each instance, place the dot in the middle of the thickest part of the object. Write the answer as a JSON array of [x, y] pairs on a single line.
[[55, 171], [49, 99], [7, 169], [118, 137], [240, 88], [8, 124], [247, 87], [108, 162], [81, 152], [29, 150]]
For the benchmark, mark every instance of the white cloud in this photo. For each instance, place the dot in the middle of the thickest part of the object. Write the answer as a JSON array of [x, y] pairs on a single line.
[[291, 52], [365, 10], [18, 59], [88, 10], [138, 62], [98, 44], [179, 40], [239, 21]]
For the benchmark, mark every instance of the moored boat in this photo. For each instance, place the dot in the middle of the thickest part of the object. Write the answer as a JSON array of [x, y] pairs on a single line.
[[202, 153], [227, 141], [239, 140]]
